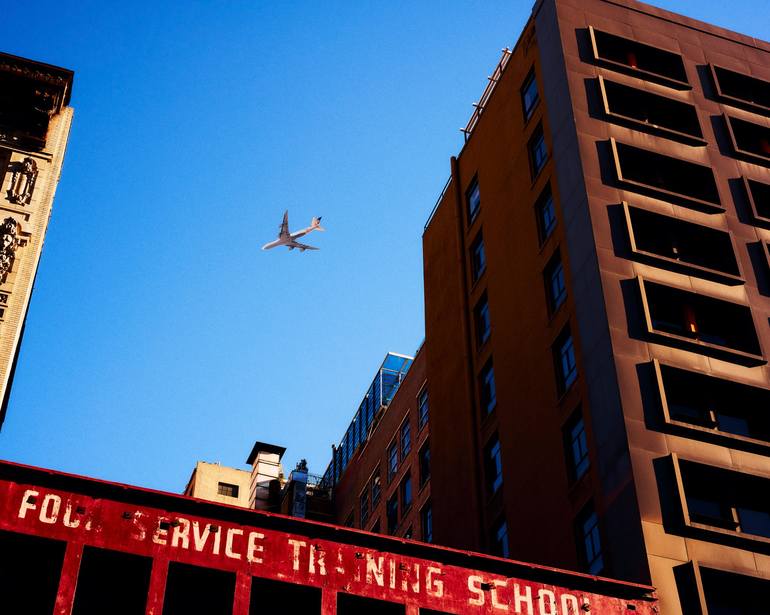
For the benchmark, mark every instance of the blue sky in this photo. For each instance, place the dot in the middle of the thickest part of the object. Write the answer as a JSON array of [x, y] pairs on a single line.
[[159, 334]]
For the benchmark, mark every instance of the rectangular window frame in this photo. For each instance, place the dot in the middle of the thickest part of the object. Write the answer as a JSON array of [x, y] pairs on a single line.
[[228, 490], [406, 493], [487, 402], [555, 298], [478, 258], [578, 459], [422, 465], [493, 462], [679, 82], [734, 124], [608, 88], [426, 522], [711, 430], [698, 345], [751, 185], [472, 213], [565, 381], [482, 321], [392, 458], [528, 110], [733, 100], [593, 565], [364, 508], [423, 408], [543, 204], [738, 535], [679, 264], [537, 163], [709, 206], [375, 480], [405, 438]]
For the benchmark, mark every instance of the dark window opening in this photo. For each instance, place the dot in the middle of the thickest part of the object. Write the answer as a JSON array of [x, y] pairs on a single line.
[[422, 402], [700, 318], [488, 392], [227, 489], [576, 446], [747, 91], [406, 494], [538, 151], [348, 604], [749, 139], [555, 285], [112, 582], [363, 507], [589, 541], [406, 438], [546, 214], [376, 487], [639, 59], [482, 321], [30, 568], [722, 406], [500, 539], [726, 499], [679, 242], [268, 596], [650, 111], [493, 465], [759, 199], [671, 176], [424, 463], [192, 589], [427, 523], [529, 95], [392, 460], [566, 364], [473, 200], [478, 258], [729, 593], [391, 512]]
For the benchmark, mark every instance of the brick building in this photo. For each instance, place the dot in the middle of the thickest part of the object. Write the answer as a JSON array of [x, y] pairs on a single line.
[[597, 295], [34, 126]]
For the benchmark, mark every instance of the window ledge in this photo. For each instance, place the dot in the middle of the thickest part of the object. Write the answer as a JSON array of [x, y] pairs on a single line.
[[690, 268]]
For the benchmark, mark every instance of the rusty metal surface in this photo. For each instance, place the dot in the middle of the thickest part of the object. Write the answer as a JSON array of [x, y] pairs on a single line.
[[251, 549]]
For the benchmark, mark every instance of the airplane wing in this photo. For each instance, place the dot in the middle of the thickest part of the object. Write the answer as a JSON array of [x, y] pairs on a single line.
[[284, 230], [301, 246]]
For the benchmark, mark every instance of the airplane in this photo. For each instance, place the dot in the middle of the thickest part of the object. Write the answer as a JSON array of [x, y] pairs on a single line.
[[285, 238]]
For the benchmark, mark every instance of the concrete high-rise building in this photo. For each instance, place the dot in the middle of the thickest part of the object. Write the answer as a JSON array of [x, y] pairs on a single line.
[[34, 126], [597, 297]]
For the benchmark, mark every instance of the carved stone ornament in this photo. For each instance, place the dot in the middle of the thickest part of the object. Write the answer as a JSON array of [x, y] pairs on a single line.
[[9, 241], [22, 181]]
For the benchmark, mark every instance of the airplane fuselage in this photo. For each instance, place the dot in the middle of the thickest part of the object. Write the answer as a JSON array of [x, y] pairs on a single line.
[[289, 240]]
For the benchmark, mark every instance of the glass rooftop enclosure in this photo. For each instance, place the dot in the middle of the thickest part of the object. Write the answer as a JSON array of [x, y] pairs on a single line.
[[383, 388]]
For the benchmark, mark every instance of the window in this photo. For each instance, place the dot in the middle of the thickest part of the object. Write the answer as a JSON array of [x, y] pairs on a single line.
[[742, 90], [392, 460], [500, 539], [487, 388], [576, 446], [268, 596], [556, 288], [348, 604], [729, 593], [635, 58], [566, 366], [406, 438], [227, 489], [655, 173], [473, 200], [529, 95], [726, 499], [749, 140], [494, 465], [719, 326], [406, 493], [478, 258], [589, 542], [682, 245], [650, 112], [364, 507], [391, 512], [195, 589], [108, 582], [538, 151], [427, 523], [376, 487], [424, 463], [546, 214], [717, 408], [759, 199], [422, 403], [481, 318]]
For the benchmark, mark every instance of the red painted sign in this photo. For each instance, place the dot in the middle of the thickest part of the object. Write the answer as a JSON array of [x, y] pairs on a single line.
[[254, 551]]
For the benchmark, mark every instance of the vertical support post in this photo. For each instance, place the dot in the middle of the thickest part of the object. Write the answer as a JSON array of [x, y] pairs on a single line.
[[412, 609], [157, 586], [328, 601], [242, 594], [68, 581]]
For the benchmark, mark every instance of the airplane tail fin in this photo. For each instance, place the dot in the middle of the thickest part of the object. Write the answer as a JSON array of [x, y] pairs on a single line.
[[315, 224]]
